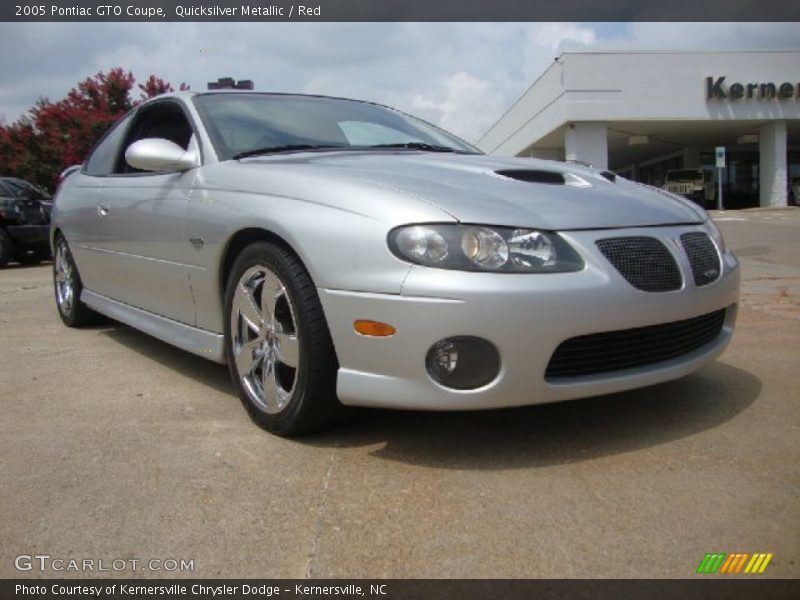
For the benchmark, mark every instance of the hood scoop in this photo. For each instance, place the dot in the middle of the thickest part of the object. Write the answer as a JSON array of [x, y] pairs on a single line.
[[545, 177], [533, 176]]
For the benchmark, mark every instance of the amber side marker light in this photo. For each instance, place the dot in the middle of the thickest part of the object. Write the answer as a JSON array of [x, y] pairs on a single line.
[[373, 328]]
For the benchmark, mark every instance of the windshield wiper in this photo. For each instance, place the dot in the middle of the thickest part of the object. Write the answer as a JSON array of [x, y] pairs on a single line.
[[420, 146], [301, 147], [286, 148]]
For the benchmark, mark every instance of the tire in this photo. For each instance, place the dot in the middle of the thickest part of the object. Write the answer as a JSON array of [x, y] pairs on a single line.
[[67, 287], [280, 354], [6, 248]]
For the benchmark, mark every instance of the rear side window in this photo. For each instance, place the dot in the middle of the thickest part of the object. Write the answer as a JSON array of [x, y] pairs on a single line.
[[104, 157]]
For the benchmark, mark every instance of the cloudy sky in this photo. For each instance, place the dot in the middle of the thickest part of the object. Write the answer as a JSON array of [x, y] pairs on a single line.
[[461, 76]]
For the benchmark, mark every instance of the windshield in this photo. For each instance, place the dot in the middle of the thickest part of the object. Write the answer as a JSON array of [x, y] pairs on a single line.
[[247, 124], [685, 175], [22, 189]]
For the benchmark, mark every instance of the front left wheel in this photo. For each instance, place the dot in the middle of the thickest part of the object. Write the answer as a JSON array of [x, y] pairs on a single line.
[[278, 346]]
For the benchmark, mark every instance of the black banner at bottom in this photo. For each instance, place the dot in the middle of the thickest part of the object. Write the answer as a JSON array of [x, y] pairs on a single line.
[[397, 589]]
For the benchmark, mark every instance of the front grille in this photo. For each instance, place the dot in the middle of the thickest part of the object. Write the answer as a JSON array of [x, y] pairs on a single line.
[[702, 256], [680, 188], [31, 213], [644, 262], [628, 348]]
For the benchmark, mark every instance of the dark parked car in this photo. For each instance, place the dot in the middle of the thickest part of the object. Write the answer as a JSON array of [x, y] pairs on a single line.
[[24, 222]]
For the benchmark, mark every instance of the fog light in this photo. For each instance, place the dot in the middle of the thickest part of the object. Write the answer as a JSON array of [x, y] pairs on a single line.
[[463, 362]]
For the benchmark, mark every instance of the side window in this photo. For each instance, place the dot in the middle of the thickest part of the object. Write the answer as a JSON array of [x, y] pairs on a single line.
[[160, 120], [103, 158]]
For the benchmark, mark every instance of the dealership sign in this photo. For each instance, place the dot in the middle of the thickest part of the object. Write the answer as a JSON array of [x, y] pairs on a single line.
[[717, 88]]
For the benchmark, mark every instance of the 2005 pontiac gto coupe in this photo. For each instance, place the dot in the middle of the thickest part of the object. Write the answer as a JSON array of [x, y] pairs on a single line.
[[335, 252]]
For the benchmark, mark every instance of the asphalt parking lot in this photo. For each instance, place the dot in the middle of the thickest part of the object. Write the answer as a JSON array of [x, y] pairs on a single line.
[[117, 446]]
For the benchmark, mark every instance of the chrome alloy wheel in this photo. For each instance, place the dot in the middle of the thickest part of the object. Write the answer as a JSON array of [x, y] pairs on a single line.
[[264, 338], [64, 278]]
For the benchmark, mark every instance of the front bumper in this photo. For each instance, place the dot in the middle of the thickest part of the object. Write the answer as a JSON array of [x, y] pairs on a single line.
[[526, 317], [28, 236]]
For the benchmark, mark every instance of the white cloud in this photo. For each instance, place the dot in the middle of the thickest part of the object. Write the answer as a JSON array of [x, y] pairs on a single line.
[[463, 104], [545, 41], [553, 35]]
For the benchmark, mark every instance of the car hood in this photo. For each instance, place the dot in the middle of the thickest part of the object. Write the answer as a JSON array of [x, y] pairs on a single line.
[[497, 191]]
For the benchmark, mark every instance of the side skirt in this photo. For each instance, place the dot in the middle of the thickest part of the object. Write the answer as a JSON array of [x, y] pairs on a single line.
[[204, 343]]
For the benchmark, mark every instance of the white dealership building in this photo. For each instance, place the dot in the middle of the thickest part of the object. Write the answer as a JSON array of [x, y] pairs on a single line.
[[642, 114]]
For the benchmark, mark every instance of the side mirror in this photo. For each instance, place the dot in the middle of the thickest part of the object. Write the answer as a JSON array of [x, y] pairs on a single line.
[[158, 154]]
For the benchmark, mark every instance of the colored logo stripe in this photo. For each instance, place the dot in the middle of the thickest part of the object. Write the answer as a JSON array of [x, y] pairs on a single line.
[[758, 563], [711, 563], [734, 563]]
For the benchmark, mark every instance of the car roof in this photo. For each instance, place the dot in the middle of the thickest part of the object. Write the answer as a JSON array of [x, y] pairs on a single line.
[[187, 94]]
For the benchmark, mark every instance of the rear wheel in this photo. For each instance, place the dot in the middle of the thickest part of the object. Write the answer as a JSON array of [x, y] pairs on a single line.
[[68, 287], [278, 346]]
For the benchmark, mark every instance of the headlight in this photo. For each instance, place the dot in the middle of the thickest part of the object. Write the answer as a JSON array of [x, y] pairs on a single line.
[[483, 248], [422, 244], [14, 211], [716, 235]]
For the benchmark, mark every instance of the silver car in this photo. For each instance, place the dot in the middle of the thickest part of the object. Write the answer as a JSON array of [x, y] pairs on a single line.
[[341, 253]]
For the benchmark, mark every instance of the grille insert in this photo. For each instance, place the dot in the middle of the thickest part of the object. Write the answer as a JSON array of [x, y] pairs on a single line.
[[703, 257], [644, 262], [31, 213], [629, 348]]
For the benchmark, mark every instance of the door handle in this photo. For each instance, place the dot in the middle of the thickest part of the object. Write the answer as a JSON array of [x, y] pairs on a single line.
[[103, 208]]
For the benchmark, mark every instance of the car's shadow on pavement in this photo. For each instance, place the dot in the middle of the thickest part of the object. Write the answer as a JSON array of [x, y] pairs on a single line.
[[532, 436], [553, 434], [194, 367]]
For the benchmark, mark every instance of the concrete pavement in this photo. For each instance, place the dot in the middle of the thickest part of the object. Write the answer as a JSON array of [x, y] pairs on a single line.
[[117, 446]]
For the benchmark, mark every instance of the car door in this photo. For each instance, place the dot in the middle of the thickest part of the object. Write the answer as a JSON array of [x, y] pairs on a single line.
[[75, 206], [141, 236]]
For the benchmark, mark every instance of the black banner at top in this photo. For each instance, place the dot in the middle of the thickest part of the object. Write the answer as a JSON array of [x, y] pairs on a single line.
[[397, 10]]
